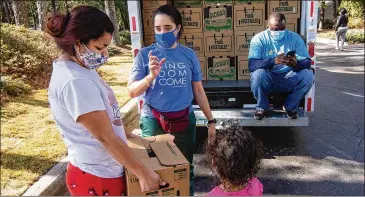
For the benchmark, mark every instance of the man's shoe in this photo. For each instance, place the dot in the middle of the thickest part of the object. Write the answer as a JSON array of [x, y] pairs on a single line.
[[292, 114], [260, 114]]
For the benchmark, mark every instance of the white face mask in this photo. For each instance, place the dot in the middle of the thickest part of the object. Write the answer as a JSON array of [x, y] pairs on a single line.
[[277, 35], [92, 59]]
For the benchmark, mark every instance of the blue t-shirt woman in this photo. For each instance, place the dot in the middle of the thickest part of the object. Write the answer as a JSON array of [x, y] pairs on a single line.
[[169, 76]]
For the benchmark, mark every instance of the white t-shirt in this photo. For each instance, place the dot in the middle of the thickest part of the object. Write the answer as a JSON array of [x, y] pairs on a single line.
[[73, 91]]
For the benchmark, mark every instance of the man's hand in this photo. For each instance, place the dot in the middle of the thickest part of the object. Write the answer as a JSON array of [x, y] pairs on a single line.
[[292, 61], [281, 59]]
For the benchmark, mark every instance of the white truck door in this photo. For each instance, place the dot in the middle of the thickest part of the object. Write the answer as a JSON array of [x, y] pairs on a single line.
[[135, 19], [311, 12]]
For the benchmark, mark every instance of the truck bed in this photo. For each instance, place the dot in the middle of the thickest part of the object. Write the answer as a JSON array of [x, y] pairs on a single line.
[[234, 101], [245, 117]]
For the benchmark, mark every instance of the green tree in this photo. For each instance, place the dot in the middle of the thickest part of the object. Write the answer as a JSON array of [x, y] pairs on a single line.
[[20, 12], [322, 9], [355, 8]]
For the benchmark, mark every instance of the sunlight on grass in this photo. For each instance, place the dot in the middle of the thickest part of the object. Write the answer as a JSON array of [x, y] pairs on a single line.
[[30, 145], [30, 141]]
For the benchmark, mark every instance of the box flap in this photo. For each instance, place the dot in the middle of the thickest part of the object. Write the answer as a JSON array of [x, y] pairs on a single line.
[[140, 146], [168, 153]]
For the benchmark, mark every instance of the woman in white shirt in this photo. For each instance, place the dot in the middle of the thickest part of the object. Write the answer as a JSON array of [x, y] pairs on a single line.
[[85, 108]]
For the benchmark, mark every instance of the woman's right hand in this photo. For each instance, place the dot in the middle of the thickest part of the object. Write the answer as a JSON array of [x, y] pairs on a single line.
[[155, 65], [150, 181]]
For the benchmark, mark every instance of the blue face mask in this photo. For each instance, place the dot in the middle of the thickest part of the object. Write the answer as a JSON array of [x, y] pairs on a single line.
[[166, 40], [277, 35]]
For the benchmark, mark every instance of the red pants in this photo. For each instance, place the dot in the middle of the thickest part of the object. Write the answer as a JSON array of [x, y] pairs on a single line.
[[80, 183]]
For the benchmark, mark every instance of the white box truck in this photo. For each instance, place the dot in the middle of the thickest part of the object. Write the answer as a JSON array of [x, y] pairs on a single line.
[[232, 102]]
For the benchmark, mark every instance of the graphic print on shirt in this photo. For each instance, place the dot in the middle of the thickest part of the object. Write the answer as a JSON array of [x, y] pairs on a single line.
[[113, 104], [173, 74]]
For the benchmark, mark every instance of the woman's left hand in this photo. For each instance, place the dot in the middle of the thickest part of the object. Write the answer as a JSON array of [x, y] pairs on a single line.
[[211, 131]]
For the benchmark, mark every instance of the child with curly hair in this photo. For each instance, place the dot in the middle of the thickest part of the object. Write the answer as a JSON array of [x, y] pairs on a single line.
[[235, 157]]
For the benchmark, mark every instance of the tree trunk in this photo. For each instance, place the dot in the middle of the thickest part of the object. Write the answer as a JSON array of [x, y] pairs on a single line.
[[10, 9], [110, 11], [335, 5], [53, 4], [124, 15], [41, 10], [6, 12], [20, 13]]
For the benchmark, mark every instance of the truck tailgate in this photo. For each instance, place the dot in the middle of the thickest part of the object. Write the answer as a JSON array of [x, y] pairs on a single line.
[[245, 117]]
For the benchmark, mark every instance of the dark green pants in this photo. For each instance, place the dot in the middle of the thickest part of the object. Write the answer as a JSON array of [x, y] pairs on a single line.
[[185, 141]]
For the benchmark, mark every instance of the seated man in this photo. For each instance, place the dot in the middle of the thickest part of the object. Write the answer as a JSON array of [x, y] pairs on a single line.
[[274, 71]]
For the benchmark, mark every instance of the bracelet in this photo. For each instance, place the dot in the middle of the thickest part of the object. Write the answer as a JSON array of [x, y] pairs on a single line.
[[146, 81]]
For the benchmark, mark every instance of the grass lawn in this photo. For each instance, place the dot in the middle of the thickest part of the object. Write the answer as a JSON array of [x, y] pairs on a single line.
[[30, 142]]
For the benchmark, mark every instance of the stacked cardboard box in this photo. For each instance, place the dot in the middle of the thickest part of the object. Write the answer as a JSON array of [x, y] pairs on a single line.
[[192, 36], [219, 40], [291, 10], [220, 31], [149, 6], [249, 20]]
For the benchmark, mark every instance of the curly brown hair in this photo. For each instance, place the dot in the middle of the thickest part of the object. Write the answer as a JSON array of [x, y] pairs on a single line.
[[235, 155]]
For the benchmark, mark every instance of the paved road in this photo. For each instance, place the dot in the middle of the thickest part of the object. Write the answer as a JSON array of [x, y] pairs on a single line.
[[326, 158]]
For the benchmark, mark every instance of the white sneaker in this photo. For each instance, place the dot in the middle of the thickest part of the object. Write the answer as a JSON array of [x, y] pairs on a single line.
[[337, 48]]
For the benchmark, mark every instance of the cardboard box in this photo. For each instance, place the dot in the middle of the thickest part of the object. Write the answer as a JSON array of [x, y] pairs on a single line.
[[217, 2], [160, 154], [187, 3], [248, 1], [221, 68], [290, 8], [192, 19], [242, 41], [219, 43], [202, 61], [148, 26], [149, 4], [194, 41], [148, 40], [243, 71], [218, 18], [292, 25], [249, 16]]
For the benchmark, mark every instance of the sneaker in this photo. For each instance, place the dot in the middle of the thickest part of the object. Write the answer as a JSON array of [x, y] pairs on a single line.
[[337, 48], [292, 114], [260, 114]]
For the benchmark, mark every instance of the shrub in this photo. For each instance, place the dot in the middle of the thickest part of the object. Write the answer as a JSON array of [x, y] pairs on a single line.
[[27, 54], [114, 50], [355, 36], [355, 8], [356, 22], [125, 37], [328, 24], [13, 87]]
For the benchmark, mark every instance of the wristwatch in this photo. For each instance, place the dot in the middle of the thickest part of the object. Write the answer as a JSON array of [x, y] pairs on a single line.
[[211, 122]]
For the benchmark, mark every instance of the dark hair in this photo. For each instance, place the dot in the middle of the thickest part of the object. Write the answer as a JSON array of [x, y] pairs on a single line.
[[236, 155], [343, 11], [83, 23], [173, 13], [279, 17]]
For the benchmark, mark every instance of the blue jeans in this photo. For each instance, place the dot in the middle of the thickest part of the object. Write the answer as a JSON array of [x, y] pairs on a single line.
[[297, 83]]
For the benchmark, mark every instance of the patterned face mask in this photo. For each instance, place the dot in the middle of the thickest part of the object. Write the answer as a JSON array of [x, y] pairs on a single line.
[[92, 59]]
